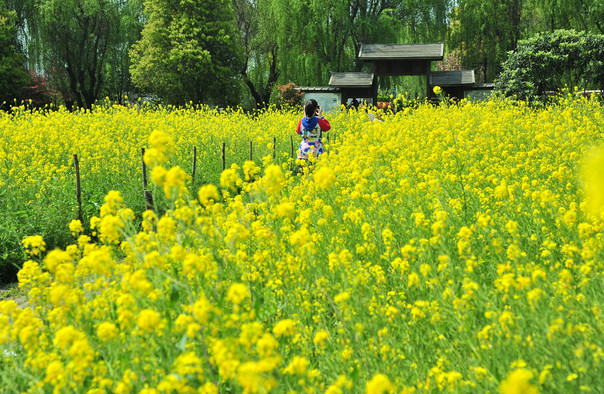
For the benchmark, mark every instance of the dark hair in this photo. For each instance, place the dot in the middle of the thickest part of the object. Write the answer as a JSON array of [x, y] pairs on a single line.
[[310, 108]]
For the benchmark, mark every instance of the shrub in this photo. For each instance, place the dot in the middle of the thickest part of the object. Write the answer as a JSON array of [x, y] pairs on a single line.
[[549, 61], [38, 92], [288, 96]]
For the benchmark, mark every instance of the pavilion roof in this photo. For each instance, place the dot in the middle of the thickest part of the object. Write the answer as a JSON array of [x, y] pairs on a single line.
[[452, 78], [351, 79], [432, 51], [317, 88]]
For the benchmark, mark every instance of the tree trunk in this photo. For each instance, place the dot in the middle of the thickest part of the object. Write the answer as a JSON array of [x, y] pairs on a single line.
[[253, 90]]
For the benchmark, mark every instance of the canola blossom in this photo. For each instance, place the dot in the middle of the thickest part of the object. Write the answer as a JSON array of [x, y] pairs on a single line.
[[37, 179], [462, 252]]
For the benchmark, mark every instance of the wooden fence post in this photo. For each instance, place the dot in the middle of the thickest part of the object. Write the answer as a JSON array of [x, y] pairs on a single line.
[[223, 156], [194, 167], [274, 147], [78, 186], [148, 196]]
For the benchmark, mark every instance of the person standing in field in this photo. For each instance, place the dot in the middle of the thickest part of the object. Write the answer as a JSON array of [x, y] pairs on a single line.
[[311, 128]]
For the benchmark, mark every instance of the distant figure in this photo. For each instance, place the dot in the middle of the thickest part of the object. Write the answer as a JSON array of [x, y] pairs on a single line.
[[311, 128]]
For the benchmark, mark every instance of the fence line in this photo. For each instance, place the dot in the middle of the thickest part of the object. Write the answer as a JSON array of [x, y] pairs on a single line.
[[148, 198], [223, 156]]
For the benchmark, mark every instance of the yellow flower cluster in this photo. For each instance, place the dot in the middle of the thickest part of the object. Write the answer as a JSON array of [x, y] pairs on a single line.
[[37, 174], [456, 251]]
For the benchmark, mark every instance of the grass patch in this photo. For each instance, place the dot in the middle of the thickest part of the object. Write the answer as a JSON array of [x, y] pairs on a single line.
[[11, 291]]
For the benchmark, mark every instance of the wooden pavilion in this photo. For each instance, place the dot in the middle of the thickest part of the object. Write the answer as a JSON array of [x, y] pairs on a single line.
[[398, 60], [402, 59], [453, 83]]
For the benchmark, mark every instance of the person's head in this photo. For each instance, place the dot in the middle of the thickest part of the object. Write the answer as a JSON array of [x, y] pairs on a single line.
[[310, 108]]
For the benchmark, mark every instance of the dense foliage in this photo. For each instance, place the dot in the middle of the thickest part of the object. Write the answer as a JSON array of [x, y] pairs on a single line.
[[12, 63], [79, 48], [280, 41], [552, 61], [458, 252], [79, 35], [188, 51]]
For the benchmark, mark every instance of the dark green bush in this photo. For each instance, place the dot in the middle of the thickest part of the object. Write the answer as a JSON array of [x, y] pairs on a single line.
[[551, 61]]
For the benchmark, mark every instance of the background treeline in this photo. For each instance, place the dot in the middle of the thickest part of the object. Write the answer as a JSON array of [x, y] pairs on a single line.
[[231, 52]]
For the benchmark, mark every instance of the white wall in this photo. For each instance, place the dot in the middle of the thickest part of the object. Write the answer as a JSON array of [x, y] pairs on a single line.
[[478, 94], [328, 101]]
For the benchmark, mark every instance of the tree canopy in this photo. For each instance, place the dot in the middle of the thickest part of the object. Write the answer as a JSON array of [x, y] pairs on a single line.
[[78, 35], [12, 62], [551, 61], [237, 51], [117, 78], [188, 51], [80, 47]]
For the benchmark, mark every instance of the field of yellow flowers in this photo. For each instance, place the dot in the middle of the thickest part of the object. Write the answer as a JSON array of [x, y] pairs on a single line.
[[455, 248], [37, 176]]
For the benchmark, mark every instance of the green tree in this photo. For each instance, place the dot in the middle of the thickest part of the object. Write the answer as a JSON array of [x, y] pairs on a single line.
[[325, 35], [12, 63], [550, 15], [77, 35], [295, 40], [485, 31], [256, 25], [551, 61], [125, 21], [415, 21], [116, 73], [317, 37], [409, 22], [189, 51], [596, 13], [28, 24]]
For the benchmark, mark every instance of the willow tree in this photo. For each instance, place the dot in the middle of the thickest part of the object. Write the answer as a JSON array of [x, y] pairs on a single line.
[[76, 36], [421, 21], [189, 51], [117, 78], [91, 36], [292, 41], [310, 39], [28, 30], [256, 24], [550, 15], [485, 31], [325, 35]]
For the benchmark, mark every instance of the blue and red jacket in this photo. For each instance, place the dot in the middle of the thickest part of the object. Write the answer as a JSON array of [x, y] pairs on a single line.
[[311, 124]]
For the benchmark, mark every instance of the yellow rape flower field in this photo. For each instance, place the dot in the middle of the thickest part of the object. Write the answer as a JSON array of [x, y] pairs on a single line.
[[455, 248]]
